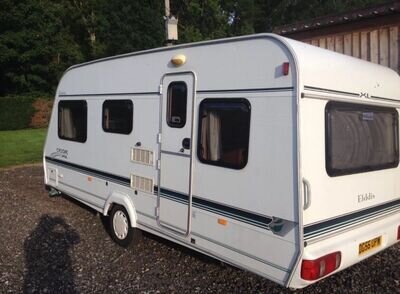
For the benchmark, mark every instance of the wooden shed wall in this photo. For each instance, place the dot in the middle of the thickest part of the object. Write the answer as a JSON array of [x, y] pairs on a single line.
[[379, 44]]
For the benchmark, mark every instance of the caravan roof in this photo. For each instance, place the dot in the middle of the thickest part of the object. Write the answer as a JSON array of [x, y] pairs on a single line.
[[249, 62]]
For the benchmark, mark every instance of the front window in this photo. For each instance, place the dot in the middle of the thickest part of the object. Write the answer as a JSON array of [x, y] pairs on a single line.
[[72, 120], [360, 138]]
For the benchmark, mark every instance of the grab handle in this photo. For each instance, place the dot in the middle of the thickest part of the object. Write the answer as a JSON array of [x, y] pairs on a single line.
[[307, 194]]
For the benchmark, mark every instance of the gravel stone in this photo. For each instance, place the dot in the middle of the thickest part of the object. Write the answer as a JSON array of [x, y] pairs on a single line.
[[56, 245]]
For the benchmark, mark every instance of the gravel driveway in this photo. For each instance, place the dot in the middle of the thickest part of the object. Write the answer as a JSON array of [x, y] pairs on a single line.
[[55, 245]]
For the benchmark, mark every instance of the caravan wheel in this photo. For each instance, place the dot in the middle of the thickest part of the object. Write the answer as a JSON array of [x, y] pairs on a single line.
[[120, 226]]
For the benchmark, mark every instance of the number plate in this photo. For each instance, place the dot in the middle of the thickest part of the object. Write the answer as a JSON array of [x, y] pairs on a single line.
[[369, 245]]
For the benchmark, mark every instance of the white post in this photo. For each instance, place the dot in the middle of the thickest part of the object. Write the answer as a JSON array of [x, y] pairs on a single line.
[[171, 25], [167, 10]]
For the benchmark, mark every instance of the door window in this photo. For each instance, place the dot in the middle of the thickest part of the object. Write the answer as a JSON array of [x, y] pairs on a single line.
[[176, 104]]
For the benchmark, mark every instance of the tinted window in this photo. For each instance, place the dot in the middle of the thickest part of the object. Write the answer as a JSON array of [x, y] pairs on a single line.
[[176, 104], [224, 127], [72, 120], [360, 138], [118, 116]]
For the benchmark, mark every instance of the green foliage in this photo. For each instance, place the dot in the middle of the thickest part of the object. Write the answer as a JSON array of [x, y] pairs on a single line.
[[200, 20], [21, 147], [40, 39], [35, 45], [15, 112], [131, 26]]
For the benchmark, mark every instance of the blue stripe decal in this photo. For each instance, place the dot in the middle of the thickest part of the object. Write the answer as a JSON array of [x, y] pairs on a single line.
[[350, 219], [100, 174], [330, 91], [310, 231], [233, 213]]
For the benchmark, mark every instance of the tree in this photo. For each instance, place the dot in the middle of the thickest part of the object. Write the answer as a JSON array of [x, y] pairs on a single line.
[[200, 20], [35, 46], [131, 26]]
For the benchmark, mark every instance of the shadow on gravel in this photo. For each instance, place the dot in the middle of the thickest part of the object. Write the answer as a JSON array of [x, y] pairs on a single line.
[[48, 266], [185, 250]]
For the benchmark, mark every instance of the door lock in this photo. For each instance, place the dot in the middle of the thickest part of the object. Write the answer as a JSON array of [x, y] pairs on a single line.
[[186, 143]]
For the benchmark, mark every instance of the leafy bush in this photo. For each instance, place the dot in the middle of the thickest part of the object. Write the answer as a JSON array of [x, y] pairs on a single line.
[[15, 112]]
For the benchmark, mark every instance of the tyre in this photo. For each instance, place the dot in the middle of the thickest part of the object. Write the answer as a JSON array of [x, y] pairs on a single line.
[[120, 226]]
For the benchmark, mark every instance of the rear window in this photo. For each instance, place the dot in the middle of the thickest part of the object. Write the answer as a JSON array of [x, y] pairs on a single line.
[[360, 138], [224, 130]]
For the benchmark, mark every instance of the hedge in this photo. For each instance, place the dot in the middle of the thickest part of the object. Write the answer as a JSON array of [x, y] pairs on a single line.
[[15, 112]]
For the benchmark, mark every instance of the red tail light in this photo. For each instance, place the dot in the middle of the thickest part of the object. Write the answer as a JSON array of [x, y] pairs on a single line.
[[285, 68], [315, 269], [398, 233]]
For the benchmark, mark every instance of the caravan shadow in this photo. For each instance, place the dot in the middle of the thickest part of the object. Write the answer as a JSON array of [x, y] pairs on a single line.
[[48, 264]]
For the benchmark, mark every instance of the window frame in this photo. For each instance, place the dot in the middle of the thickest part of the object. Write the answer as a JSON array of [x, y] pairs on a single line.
[[103, 121], [199, 126], [59, 105], [332, 172], [168, 108]]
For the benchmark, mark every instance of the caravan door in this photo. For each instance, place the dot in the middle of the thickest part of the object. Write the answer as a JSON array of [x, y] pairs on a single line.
[[176, 155]]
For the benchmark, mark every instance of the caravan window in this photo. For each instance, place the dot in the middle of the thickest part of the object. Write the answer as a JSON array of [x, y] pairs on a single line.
[[176, 104], [360, 138], [224, 128], [72, 120], [118, 116]]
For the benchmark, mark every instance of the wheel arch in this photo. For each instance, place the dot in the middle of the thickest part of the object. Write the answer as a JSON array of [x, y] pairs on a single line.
[[124, 200]]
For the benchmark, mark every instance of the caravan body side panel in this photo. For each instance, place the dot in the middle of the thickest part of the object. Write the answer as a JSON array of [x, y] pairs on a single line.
[[247, 200]]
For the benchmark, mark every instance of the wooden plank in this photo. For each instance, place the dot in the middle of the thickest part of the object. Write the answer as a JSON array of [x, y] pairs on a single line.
[[315, 42], [394, 48], [356, 45], [322, 43], [364, 45], [330, 43], [347, 44], [339, 44], [384, 47], [374, 46]]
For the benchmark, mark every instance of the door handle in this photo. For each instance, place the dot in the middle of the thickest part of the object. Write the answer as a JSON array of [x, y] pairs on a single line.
[[186, 143], [307, 194]]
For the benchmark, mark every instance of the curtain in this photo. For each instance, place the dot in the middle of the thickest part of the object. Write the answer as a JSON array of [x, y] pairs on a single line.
[[214, 132], [68, 129], [211, 136]]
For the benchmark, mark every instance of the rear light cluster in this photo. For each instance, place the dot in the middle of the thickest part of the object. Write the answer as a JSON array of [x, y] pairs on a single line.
[[318, 268], [398, 233]]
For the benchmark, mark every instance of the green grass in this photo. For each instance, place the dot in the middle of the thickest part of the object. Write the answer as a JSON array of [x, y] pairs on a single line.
[[21, 147]]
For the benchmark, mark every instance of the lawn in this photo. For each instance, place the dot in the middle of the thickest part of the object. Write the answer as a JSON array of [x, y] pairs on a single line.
[[21, 146]]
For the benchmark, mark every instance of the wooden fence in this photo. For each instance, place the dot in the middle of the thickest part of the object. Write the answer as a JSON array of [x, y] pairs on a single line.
[[376, 45]]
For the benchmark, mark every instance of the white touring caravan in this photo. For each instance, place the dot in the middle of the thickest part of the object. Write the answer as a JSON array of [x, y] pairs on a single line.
[[272, 155]]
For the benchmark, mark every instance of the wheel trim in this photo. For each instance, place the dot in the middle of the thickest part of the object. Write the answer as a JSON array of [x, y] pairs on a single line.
[[120, 224]]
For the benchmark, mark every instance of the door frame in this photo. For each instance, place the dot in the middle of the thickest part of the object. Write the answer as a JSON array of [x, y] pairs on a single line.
[[159, 141]]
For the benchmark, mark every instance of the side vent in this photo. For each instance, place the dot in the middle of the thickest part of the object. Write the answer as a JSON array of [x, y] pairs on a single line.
[[142, 184], [142, 156]]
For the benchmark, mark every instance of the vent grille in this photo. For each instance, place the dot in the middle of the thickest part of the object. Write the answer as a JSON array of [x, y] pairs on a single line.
[[142, 184], [142, 156]]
